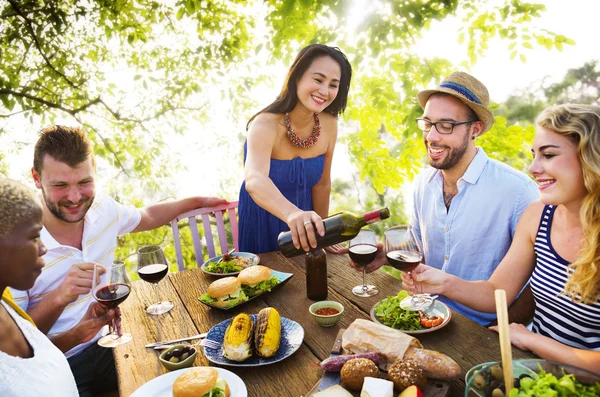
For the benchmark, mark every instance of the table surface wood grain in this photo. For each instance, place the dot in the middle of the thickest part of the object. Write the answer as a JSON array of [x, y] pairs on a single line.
[[467, 342]]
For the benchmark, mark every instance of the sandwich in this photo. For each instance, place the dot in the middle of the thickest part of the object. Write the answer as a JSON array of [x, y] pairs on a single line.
[[200, 382], [256, 280], [225, 292]]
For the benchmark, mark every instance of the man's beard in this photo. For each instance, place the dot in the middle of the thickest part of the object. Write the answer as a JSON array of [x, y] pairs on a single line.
[[453, 157], [54, 208]]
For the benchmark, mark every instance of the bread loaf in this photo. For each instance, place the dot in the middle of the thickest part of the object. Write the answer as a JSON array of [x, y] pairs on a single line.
[[436, 365]]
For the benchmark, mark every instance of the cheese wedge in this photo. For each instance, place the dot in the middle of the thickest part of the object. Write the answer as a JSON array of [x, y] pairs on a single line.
[[334, 391], [376, 387]]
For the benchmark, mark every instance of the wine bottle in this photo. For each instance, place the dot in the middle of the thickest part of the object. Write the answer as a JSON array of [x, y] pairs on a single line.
[[316, 275], [340, 227]]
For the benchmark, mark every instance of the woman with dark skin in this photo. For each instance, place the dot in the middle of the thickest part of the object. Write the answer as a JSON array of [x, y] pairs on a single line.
[[29, 362]]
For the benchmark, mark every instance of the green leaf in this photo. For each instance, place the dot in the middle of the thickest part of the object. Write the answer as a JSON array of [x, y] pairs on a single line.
[[527, 45], [180, 13]]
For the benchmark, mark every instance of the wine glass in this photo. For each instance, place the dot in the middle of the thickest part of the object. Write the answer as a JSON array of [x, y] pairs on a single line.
[[153, 267], [363, 250], [111, 290], [403, 251]]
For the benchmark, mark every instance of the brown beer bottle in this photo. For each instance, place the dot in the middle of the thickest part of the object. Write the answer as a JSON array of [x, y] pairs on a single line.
[[316, 274]]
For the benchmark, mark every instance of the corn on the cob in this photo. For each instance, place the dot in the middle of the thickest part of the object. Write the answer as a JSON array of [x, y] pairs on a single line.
[[268, 332], [237, 344]]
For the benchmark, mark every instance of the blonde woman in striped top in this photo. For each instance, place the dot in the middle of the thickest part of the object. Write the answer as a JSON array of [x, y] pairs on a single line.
[[556, 245]]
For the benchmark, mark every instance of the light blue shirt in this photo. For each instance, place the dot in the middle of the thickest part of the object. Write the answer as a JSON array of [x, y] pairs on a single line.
[[471, 238]]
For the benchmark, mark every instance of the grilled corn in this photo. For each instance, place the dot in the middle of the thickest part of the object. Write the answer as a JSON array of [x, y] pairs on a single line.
[[268, 332], [237, 344]]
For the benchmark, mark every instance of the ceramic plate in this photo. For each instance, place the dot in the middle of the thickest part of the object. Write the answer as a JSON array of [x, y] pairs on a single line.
[[436, 309], [292, 335], [255, 260], [162, 386], [281, 276]]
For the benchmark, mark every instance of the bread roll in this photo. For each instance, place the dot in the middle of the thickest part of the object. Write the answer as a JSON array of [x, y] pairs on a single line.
[[356, 370], [406, 373]]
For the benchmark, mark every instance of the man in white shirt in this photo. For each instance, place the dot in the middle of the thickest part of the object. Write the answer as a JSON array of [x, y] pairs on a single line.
[[81, 229]]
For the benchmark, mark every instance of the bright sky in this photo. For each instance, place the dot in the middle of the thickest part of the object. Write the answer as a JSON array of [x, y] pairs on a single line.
[[209, 169]]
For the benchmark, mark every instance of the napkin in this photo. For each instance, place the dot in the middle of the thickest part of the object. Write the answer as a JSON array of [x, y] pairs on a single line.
[[366, 336]]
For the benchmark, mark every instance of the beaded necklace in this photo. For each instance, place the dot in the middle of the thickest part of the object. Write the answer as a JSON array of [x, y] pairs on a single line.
[[299, 142]]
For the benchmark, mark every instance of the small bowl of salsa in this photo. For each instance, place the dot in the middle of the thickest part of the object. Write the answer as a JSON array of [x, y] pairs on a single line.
[[326, 313]]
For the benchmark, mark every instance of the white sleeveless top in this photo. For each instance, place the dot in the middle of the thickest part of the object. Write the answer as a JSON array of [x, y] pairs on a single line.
[[46, 374]]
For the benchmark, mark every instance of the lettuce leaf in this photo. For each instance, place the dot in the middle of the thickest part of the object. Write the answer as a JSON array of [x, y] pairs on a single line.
[[263, 286], [390, 313], [547, 385]]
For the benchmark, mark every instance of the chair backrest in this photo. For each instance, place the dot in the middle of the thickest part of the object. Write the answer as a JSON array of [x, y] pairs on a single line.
[[210, 244]]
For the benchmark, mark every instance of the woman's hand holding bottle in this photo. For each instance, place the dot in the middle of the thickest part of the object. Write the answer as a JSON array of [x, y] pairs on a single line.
[[302, 229]]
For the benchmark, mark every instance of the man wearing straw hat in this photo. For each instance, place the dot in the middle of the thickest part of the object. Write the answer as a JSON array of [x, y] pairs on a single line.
[[466, 205]]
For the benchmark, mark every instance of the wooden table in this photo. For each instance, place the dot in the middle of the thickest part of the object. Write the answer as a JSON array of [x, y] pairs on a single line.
[[465, 341]]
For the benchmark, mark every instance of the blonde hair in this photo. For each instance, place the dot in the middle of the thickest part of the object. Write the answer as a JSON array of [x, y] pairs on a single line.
[[17, 202], [581, 124]]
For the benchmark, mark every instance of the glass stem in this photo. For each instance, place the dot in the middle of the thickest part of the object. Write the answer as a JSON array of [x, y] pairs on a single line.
[[364, 282], [114, 332], [158, 301]]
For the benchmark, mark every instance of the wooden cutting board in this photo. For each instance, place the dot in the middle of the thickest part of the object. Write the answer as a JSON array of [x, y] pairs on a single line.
[[433, 388]]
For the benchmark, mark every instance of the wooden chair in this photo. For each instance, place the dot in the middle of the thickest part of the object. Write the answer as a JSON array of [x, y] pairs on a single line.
[[210, 245]]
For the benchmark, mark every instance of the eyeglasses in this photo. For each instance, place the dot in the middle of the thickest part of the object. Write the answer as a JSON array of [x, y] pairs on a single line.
[[442, 127]]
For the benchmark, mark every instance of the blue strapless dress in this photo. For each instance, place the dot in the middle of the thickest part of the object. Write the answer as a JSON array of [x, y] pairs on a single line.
[[258, 228]]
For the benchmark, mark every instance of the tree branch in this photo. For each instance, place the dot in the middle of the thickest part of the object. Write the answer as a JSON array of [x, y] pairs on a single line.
[[53, 105], [29, 25], [107, 145]]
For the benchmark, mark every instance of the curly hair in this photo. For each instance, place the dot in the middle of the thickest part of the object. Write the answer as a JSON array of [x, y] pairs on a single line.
[[581, 124], [17, 202]]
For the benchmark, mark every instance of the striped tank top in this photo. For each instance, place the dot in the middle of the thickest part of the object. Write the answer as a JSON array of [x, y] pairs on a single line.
[[556, 316]]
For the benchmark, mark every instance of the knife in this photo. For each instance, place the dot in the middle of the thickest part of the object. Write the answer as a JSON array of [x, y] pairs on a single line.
[[333, 378], [168, 342]]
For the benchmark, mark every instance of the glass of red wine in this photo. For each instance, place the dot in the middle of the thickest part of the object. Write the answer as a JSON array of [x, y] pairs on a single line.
[[111, 290], [153, 267], [363, 250], [402, 248]]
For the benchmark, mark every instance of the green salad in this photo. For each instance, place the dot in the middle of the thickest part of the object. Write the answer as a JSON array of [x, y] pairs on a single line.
[[232, 265], [389, 313], [547, 385]]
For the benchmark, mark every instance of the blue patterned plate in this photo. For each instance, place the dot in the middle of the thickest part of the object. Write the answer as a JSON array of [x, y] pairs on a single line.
[[281, 276], [292, 335]]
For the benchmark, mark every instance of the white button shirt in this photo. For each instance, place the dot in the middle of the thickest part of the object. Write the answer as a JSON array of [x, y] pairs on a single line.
[[105, 220]]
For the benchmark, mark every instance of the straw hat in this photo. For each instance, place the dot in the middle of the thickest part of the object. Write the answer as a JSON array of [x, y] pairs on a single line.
[[469, 90]]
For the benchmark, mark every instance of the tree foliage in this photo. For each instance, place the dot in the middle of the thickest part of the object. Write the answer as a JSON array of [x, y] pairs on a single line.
[[132, 72]]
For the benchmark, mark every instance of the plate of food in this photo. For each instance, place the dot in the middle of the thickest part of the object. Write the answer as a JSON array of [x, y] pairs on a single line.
[[229, 292], [389, 313], [198, 381], [254, 340], [231, 265], [532, 377]]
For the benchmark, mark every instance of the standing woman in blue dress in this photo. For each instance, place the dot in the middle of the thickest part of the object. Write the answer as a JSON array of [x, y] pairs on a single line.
[[288, 153], [556, 246]]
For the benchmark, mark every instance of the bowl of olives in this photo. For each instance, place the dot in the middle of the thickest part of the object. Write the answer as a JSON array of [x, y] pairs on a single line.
[[177, 357], [532, 377]]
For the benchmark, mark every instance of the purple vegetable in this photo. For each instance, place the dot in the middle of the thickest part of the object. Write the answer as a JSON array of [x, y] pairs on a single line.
[[335, 364]]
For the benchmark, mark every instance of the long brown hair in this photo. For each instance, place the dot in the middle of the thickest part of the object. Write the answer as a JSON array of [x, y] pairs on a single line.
[[288, 97], [581, 124]]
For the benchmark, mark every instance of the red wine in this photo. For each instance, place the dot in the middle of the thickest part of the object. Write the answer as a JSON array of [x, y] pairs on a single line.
[[363, 254], [404, 260], [340, 227], [112, 295], [153, 273]]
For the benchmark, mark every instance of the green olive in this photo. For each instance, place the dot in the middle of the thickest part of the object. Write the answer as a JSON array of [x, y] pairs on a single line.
[[479, 381], [497, 393], [184, 356], [497, 372], [174, 360]]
